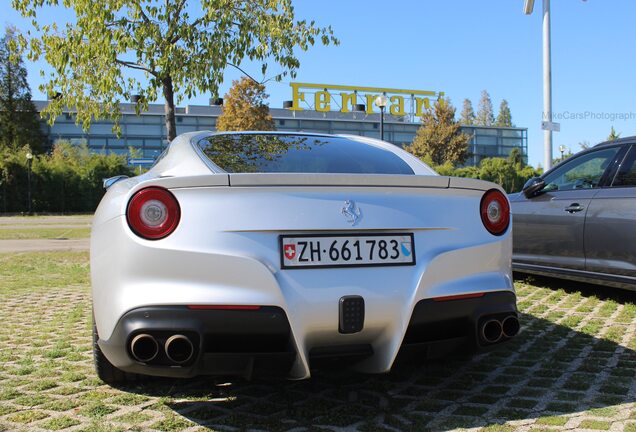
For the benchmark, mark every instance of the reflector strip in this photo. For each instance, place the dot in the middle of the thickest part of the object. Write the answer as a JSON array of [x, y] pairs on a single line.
[[458, 297], [223, 307]]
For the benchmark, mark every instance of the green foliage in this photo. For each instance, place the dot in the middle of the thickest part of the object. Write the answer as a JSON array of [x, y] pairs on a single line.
[[176, 47], [510, 173], [613, 136], [485, 115], [67, 180], [500, 171], [504, 118], [19, 120], [440, 137], [467, 116], [244, 108]]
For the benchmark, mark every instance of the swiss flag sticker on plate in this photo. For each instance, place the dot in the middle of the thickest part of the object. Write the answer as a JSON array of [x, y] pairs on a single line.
[[290, 251]]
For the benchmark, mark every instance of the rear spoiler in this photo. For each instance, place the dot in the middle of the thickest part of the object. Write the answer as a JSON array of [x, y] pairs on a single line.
[[308, 180], [293, 179], [388, 180]]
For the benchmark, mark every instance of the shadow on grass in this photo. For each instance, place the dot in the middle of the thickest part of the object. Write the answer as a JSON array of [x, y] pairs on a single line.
[[548, 370]]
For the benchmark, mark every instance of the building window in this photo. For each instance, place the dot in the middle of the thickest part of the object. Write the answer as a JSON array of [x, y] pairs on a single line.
[[281, 122]]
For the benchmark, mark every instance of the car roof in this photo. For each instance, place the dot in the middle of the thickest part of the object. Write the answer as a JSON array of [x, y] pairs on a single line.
[[619, 141], [276, 132]]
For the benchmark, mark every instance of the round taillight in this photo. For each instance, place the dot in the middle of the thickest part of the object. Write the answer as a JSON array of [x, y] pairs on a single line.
[[495, 212], [153, 213]]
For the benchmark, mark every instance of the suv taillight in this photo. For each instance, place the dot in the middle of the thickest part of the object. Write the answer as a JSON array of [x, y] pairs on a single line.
[[495, 212], [153, 213]]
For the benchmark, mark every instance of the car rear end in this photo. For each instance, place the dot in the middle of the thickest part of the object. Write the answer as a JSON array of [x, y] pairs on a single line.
[[264, 272]]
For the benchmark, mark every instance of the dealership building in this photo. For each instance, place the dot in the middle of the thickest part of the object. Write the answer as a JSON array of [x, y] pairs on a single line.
[[313, 108]]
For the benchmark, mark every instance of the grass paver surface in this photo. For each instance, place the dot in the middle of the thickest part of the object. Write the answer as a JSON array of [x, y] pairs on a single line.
[[572, 367]]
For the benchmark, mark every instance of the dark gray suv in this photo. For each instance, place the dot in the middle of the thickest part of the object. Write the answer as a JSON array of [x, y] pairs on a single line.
[[578, 220]]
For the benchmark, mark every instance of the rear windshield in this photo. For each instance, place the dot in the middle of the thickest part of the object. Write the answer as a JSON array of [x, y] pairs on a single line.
[[270, 153]]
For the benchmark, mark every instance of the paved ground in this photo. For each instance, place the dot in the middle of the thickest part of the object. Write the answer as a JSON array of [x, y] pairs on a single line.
[[44, 233], [572, 367], [33, 245]]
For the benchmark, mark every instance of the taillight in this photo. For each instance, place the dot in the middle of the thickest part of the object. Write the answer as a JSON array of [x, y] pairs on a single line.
[[495, 212], [153, 213]]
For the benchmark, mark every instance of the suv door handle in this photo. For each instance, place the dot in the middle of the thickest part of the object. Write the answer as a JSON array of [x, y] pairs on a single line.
[[574, 207]]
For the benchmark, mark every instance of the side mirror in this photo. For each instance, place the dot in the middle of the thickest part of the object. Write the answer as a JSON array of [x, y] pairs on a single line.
[[112, 180], [533, 186]]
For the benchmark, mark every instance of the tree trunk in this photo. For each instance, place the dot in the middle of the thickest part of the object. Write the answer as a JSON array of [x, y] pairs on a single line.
[[168, 94]]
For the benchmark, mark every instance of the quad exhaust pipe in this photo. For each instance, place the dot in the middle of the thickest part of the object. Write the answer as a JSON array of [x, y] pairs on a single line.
[[493, 330], [510, 326], [144, 347], [179, 349]]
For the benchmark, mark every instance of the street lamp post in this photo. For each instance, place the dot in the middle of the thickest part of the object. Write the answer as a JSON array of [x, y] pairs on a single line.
[[29, 157], [562, 149], [381, 101], [547, 79]]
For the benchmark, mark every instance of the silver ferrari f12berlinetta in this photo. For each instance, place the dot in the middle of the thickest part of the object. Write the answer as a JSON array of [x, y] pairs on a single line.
[[266, 252]]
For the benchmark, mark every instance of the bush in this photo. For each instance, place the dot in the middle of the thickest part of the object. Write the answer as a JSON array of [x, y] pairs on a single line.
[[69, 179], [511, 173]]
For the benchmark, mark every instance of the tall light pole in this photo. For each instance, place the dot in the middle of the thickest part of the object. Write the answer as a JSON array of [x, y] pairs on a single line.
[[547, 79], [29, 158], [381, 101]]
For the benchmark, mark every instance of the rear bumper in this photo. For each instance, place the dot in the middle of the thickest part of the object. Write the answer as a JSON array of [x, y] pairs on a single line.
[[233, 342], [438, 327], [260, 342]]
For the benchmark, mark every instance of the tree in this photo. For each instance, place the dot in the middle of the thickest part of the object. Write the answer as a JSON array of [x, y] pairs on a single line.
[[69, 178], [19, 119], [585, 145], [485, 116], [504, 118], [498, 170], [516, 158], [467, 117], [174, 47], [244, 108], [613, 135], [440, 137]]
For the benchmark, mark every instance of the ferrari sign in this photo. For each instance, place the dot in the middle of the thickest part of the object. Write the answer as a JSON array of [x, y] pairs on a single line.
[[329, 97]]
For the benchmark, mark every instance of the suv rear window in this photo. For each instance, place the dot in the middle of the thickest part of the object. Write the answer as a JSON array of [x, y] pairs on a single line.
[[274, 153]]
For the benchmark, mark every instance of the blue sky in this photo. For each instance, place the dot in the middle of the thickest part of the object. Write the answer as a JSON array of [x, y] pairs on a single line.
[[464, 46]]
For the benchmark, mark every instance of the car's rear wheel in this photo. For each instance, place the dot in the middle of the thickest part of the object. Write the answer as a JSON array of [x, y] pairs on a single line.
[[105, 369]]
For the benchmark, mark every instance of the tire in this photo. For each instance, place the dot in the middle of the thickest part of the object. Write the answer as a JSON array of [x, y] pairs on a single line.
[[106, 372]]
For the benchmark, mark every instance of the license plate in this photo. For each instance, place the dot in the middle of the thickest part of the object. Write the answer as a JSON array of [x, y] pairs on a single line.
[[345, 250]]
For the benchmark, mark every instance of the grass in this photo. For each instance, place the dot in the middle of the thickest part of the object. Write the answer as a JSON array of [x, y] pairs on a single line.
[[59, 423], [552, 421], [595, 424], [43, 233], [40, 271], [569, 349]]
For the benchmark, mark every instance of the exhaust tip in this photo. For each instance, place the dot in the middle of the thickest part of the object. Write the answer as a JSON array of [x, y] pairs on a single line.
[[510, 326], [144, 347], [179, 349], [491, 331]]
